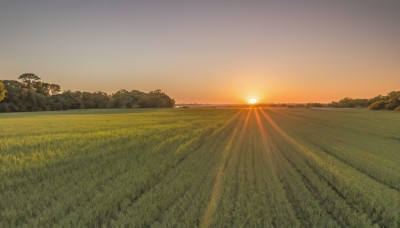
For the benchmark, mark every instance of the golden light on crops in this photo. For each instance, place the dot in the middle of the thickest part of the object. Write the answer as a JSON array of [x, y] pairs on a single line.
[[252, 101]]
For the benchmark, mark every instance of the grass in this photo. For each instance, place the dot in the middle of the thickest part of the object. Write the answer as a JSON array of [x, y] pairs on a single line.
[[200, 167]]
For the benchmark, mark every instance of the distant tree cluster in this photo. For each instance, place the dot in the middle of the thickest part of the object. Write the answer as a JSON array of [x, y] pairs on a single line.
[[389, 102], [348, 102], [29, 93]]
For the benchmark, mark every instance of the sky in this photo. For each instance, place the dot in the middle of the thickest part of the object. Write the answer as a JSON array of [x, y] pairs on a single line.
[[219, 51]]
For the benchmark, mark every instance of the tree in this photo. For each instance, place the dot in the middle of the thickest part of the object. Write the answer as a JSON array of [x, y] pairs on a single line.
[[13, 89], [377, 105], [3, 91], [28, 79], [46, 88], [54, 89], [393, 103], [42, 88]]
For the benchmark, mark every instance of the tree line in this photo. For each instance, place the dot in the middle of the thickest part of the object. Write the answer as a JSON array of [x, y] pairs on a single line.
[[29, 93], [389, 102]]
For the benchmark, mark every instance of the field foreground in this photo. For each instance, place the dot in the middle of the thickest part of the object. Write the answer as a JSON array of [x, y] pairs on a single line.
[[200, 167]]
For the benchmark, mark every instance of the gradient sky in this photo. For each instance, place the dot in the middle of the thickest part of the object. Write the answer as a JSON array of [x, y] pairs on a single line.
[[206, 51]]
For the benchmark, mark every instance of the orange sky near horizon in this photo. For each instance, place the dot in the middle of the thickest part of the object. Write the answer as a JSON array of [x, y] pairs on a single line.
[[207, 51]]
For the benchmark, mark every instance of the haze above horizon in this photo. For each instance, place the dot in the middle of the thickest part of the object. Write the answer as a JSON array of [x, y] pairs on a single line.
[[207, 51]]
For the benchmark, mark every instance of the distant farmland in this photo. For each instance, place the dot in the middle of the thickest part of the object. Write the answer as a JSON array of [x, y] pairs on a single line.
[[200, 167]]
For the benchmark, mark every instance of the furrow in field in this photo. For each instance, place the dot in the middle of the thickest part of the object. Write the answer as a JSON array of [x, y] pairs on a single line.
[[92, 185], [215, 194], [70, 162], [327, 196], [348, 183], [278, 200], [226, 209], [336, 142], [104, 179], [195, 210], [181, 205], [248, 201], [305, 206], [189, 199], [175, 185], [375, 165], [332, 201], [239, 190], [390, 185], [168, 171]]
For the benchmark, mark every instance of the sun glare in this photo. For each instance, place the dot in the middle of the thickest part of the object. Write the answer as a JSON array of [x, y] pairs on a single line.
[[252, 101]]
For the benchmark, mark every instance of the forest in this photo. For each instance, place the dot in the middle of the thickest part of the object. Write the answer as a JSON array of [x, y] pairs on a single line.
[[30, 93]]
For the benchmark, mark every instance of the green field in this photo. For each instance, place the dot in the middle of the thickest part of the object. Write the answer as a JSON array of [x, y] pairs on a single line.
[[200, 167]]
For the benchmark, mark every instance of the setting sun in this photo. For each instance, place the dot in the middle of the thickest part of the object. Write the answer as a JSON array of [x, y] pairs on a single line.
[[252, 101]]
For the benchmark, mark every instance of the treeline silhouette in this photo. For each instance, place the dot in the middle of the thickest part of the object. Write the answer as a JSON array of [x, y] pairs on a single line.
[[389, 102], [29, 93]]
